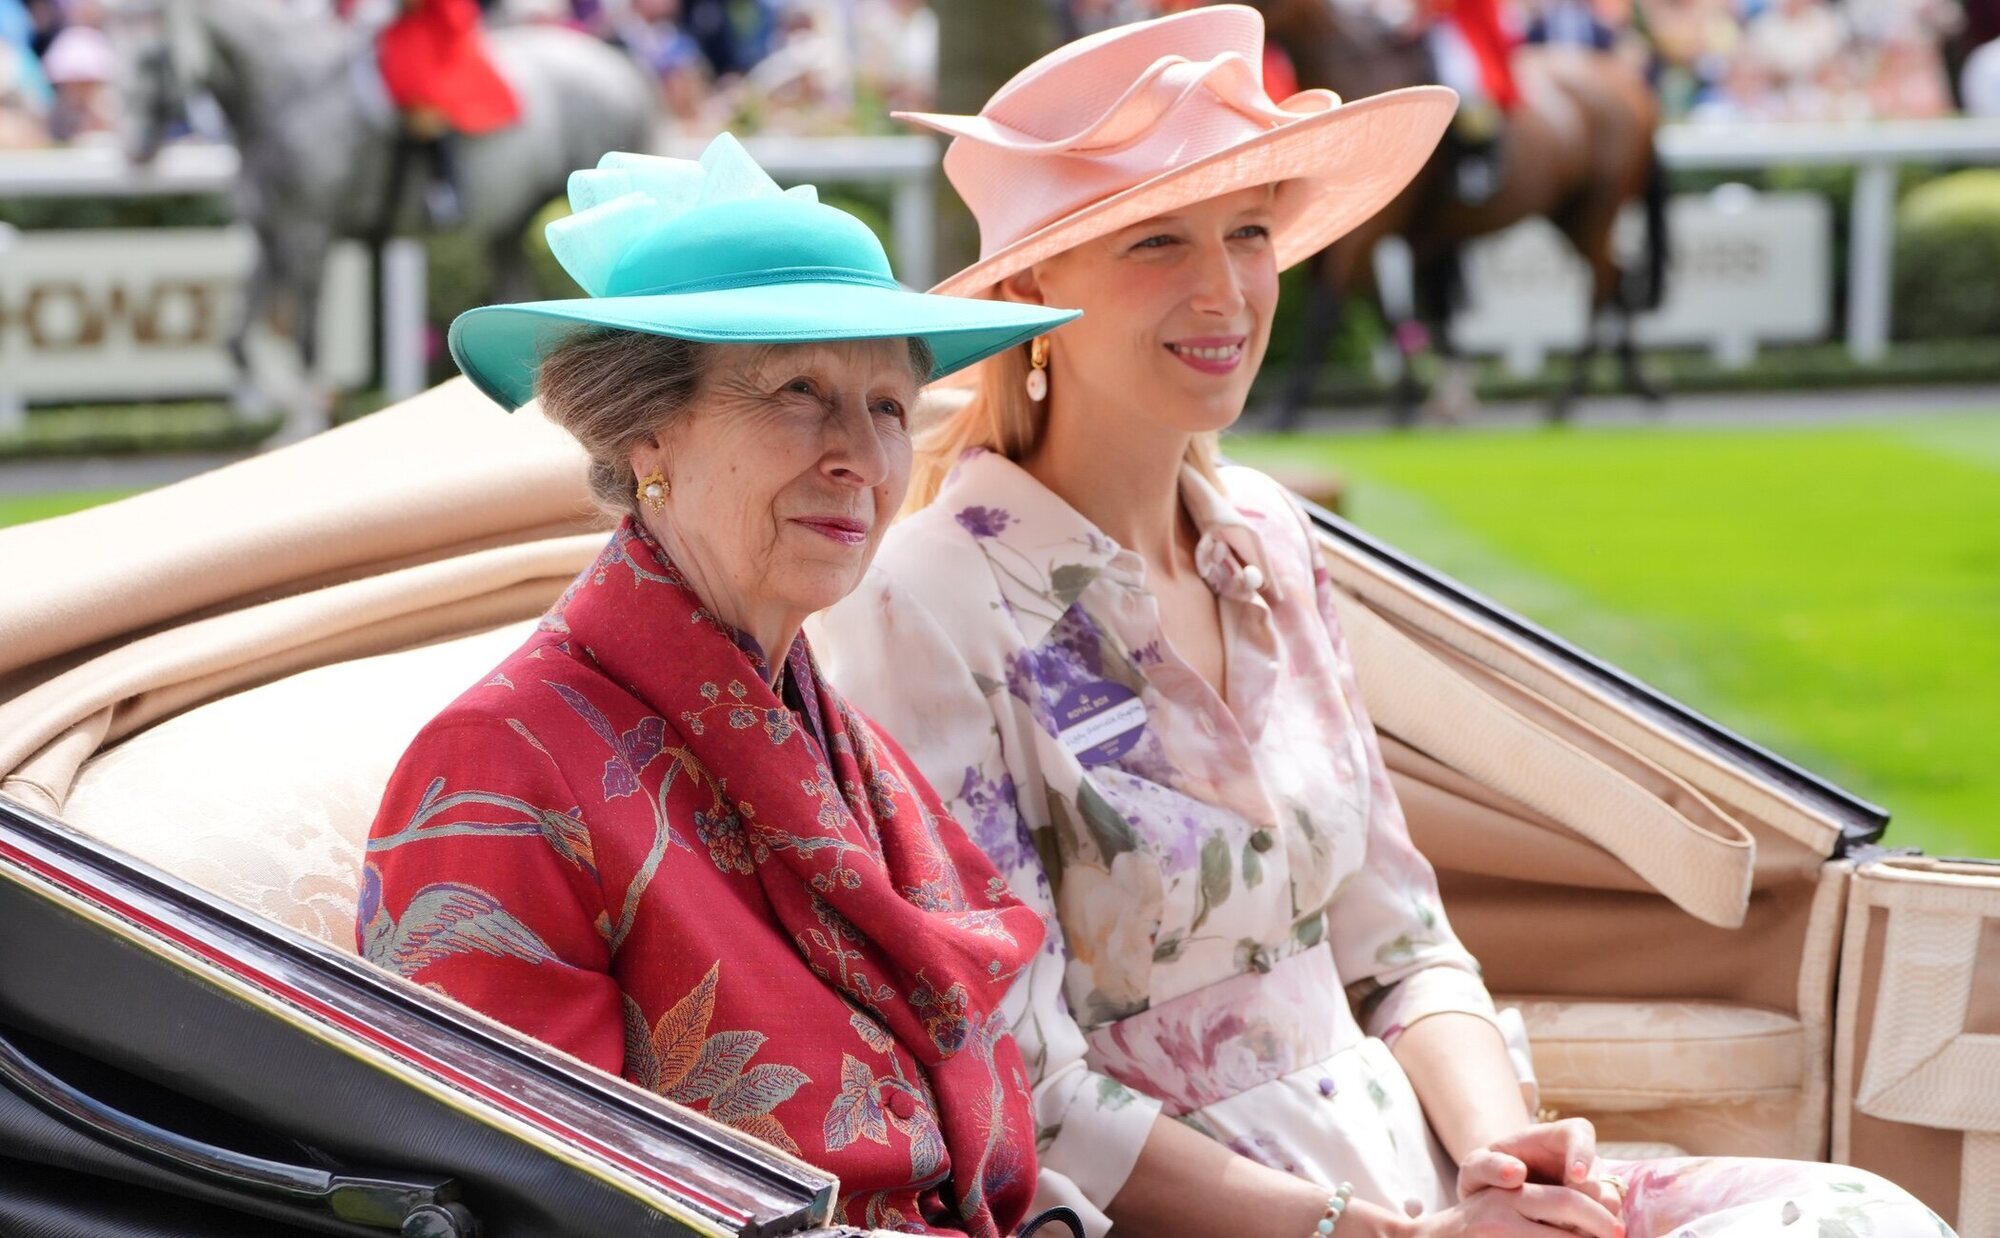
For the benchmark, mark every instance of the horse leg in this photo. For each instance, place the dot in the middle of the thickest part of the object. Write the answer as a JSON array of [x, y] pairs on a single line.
[[1582, 362], [1316, 327], [1630, 375], [1452, 397], [247, 398], [299, 258], [1411, 338], [313, 409], [507, 258]]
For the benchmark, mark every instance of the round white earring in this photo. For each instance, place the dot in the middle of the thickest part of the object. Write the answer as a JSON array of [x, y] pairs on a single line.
[[1038, 369]]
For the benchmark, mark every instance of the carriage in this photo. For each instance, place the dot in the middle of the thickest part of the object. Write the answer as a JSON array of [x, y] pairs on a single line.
[[203, 690]]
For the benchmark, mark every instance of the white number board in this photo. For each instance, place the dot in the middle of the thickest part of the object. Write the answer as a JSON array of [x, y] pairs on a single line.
[[1747, 269], [145, 314]]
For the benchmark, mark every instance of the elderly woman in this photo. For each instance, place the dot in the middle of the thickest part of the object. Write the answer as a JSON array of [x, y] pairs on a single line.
[[652, 836], [1133, 685]]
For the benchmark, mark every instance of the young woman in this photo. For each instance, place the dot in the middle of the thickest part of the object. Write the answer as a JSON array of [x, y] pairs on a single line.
[[1123, 668]]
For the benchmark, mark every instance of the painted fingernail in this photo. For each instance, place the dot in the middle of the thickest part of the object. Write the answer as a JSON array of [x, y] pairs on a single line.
[[1579, 1171]]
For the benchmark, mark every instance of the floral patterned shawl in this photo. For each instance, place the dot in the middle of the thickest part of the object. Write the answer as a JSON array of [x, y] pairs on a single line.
[[625, 844]]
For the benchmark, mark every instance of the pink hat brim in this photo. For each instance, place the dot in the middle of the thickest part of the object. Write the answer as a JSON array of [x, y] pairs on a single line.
[[1335, 168]]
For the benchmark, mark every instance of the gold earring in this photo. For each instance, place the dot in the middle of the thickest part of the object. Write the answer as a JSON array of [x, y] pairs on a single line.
[[653, 490], [1038, 371]]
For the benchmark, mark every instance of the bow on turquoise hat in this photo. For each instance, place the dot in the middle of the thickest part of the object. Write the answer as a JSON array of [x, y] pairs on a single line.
[[714, 251]]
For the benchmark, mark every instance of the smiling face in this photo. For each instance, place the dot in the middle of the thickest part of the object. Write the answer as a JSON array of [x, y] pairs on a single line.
[[1176, 312], [783, 476]]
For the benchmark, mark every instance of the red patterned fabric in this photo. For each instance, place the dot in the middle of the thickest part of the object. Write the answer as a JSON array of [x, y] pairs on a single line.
[[624, 844], [433, 56]]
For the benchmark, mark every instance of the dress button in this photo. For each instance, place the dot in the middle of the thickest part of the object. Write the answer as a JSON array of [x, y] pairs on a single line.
[[901, 1105], [1262, 841], [1253, 578], [1327, 1087]]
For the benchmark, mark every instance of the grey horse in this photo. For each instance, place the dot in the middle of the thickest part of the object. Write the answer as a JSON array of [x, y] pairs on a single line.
[[318, 152]]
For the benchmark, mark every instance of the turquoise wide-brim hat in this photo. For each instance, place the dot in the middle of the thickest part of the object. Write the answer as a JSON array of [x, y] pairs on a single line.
[[713, 251]]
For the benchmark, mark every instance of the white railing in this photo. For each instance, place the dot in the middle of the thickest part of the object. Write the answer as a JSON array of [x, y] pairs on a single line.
[[908, 164], [1877, 150]]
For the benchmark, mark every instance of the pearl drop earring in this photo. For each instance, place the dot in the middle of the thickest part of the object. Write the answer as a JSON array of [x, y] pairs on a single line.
[[653, 490], [1038, 371]]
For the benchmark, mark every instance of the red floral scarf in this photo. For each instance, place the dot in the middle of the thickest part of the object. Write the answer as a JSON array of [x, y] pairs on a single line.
[[883, 895]]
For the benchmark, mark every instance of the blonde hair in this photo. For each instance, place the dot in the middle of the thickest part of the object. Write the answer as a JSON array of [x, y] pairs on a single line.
[[1000, 417]]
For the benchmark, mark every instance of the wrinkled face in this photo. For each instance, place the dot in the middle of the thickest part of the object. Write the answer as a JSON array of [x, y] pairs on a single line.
[[1176, 312], [784, 474]]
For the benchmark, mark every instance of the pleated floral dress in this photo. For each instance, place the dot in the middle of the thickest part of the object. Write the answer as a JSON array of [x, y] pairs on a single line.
[[1241, 927]]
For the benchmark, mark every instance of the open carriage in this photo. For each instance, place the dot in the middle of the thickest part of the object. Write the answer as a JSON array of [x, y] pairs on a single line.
[[203, 690]]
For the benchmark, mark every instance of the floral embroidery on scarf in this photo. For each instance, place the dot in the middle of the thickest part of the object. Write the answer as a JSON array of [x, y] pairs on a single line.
[[681, 1060], [439, 921]]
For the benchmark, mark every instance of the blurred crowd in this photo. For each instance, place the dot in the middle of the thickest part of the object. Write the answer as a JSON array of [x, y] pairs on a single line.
[[802, 66], [841, 66]]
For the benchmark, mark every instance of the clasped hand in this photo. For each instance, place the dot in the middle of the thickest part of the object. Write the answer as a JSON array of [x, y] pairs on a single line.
[[1541, 1177]]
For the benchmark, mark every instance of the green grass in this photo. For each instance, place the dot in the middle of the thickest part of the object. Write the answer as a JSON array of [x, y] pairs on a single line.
[[1833, 593], [21, 508], [133, 429]]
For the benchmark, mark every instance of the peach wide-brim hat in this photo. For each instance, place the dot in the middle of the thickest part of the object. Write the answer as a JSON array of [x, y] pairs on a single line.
[[1144, 119]]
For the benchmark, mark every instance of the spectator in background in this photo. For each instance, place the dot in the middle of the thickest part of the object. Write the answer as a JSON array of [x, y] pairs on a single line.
[[47, 20], [79, 65], [651, 31], [1797, 41], [1569, 23], [21, 115], [1697, 41], [17, 32], [1907, 79], [898, 52], [806, 84], [1978, 26], [733, 34], [434, 62], [1979, 81]]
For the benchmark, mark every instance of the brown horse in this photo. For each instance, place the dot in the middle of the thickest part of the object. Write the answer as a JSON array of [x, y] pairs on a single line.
[[1576, 150]]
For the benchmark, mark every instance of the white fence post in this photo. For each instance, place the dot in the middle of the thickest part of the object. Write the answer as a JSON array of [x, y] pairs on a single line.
[[911, 223], [405, 272], [1870, 258], [13, 408]]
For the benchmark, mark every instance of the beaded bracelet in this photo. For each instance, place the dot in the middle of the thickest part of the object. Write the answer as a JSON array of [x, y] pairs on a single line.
[[1335, 1208]]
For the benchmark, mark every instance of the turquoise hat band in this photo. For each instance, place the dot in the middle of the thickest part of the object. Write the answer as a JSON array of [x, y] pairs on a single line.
[[714, 252], [501, 347], [764, 278], [742, 238]]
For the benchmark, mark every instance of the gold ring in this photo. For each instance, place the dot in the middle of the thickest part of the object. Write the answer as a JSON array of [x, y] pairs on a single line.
[[1617, 1184]]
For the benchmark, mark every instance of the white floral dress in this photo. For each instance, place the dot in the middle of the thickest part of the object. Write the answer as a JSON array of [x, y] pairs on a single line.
[[1242, 923]]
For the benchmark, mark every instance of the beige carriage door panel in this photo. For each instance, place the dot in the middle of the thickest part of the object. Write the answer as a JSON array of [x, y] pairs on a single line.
[[1917, 1051]]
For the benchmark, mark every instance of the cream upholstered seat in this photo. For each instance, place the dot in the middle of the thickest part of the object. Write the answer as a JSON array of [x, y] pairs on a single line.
[[1626, 1056], [1660, 1076], [265, 797]]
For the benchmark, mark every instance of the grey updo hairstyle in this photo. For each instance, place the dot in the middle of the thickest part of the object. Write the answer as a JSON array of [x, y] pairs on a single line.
[[612, 389]]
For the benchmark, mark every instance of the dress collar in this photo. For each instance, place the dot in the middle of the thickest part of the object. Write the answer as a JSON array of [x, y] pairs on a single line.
[[1045, 553]]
